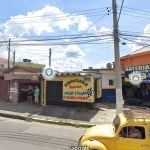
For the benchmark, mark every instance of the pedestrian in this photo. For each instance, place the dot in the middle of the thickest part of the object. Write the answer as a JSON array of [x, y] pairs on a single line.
[[29, 91], [36, 94]]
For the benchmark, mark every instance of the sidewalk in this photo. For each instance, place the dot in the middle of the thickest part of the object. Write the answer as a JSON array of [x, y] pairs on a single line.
[[102, 113]]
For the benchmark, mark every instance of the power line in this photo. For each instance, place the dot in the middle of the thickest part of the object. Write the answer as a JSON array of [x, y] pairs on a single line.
[[135, 36], [136, 10], [63, 37], [76, 39], [133, 12], [57, 17], [86, 41], [98, 20], [136, 16], [120, 11]]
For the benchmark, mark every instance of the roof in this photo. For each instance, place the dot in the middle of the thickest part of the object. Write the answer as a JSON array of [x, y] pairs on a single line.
[[28, 69], [140, 51], [138, 114]]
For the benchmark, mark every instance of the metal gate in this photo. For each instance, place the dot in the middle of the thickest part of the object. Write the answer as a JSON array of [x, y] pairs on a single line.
[[54, 92], [4, 90]]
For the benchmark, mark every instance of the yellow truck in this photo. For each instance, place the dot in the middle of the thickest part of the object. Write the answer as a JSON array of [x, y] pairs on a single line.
[[130, 130]]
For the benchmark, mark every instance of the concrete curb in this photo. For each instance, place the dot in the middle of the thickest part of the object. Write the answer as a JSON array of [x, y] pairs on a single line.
[[28, 117], [63, 122], [14, 116]]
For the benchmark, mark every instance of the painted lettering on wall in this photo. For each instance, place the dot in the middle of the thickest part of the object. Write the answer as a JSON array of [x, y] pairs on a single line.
[[144, 70], [75, 80], [76, 89]]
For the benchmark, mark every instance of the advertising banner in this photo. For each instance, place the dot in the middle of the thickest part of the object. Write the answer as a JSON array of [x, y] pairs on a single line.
[[79, 89], [143, 70]]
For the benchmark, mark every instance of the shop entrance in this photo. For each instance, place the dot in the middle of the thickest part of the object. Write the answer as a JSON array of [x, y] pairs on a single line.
[[23, 94], [141, 91], [54, 92]]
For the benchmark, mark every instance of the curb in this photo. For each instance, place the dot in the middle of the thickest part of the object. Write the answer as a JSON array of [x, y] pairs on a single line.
[[61, 122], [28, 117], [12, 116]]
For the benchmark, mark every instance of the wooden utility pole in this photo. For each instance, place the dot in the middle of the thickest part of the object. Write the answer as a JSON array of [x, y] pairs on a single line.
[[119, 98]]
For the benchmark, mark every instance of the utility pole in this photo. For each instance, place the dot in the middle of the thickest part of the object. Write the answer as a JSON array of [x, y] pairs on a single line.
[[50, 57], [119, 98], [9, 69], [9, 56], [14, 55]]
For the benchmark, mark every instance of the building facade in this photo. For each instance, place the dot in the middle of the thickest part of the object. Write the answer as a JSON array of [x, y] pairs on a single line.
[[21, 78], [136, 64], [108, 83]]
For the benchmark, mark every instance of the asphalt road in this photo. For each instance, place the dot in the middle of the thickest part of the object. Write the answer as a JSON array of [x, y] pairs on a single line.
[[21, 135]]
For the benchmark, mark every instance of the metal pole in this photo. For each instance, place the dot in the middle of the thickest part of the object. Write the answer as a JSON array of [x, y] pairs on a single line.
[[9, 69], [9, 56], [50, 57], [119, 98], [14, 61]]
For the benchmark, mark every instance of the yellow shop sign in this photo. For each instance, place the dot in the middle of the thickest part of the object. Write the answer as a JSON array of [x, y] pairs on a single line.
[[78, 89]]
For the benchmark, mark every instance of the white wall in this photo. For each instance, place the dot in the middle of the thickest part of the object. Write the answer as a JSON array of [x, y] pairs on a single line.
[[5, 65], [105, 80]]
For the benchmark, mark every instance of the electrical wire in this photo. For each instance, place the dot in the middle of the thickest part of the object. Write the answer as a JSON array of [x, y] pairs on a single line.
[[133, 12], [88, 38], [56, 17], [137, 10], [135, 16], [120, 11]]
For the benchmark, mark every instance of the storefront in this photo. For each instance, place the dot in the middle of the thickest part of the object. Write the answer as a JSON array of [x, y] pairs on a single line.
[[136, 71], [17, 82], [137, 82], [72, 90]]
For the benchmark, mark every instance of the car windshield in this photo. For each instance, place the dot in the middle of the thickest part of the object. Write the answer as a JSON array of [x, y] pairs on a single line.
[[116, 123]]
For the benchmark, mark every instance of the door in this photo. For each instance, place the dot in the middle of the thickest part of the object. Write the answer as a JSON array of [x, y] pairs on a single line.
[[54, 93], [131, 144], [124, 142]]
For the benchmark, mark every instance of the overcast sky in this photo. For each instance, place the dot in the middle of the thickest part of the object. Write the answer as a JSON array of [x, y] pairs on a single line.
[[78, 32]]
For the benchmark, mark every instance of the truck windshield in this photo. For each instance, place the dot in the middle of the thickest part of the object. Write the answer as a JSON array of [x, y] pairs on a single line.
[[116, 123]]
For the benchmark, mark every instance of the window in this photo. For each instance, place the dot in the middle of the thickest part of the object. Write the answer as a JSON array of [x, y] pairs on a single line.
[[111, 82], [133, 132], [116, 123]]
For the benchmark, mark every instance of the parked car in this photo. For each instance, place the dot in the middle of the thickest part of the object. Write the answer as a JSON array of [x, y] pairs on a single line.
[[117, 136]]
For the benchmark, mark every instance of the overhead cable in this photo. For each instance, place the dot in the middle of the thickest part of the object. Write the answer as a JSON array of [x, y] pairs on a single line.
[[120, 11]]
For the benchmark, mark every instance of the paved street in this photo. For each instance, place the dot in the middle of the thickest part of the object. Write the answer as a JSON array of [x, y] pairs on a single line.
[[17, 134]]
